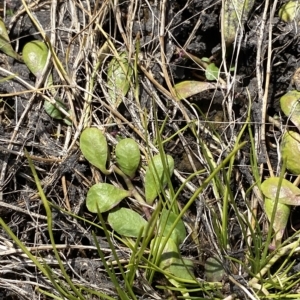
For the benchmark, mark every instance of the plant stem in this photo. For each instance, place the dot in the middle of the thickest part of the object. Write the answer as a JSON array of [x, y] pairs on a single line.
[[134, 192]]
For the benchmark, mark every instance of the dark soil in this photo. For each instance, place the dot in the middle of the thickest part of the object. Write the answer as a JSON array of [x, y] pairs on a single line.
[[66, 176]]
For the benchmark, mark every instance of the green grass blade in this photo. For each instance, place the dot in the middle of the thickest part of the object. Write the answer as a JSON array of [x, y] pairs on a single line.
[[133, 261], [49, 222], [204, 185], [115, 255], [42, 268]]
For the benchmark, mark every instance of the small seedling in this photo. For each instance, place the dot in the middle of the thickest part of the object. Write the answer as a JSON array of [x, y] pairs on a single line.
[[104, 197]]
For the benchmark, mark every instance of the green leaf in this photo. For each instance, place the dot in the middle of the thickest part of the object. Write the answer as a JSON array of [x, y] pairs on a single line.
[[128, 156], [182, 268], [289, 11], [52, 111], [214, 270], [212, 72], [290, 105], [167, 220], [290, 151], [105, 196], [170, 260], [289, 194], [118, 78], [55, 113], [126, 222], [93, 146], [281, 217], [169, 252], [35, 55], [5, 45], [235, 14], [205, 59], [190, 88], [156, 177]]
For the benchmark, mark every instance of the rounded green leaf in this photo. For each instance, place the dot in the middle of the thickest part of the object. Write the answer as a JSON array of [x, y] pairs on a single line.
[[281, 216], [289, 11], [126, 222], [290, 105], [128, 156], [214, 270], [212, 72], [118, 78], [105, 196], [290, 151], [190, 88], [93, 146], [35, 56], [289, 194], [166, 222], [156, 176]]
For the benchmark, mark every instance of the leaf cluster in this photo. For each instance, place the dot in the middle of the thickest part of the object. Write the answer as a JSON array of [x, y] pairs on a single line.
[[104, 197]]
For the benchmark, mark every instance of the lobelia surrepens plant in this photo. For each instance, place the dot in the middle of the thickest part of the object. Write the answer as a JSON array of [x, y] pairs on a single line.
[[35, 54], [105, 197], [280, 193]]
